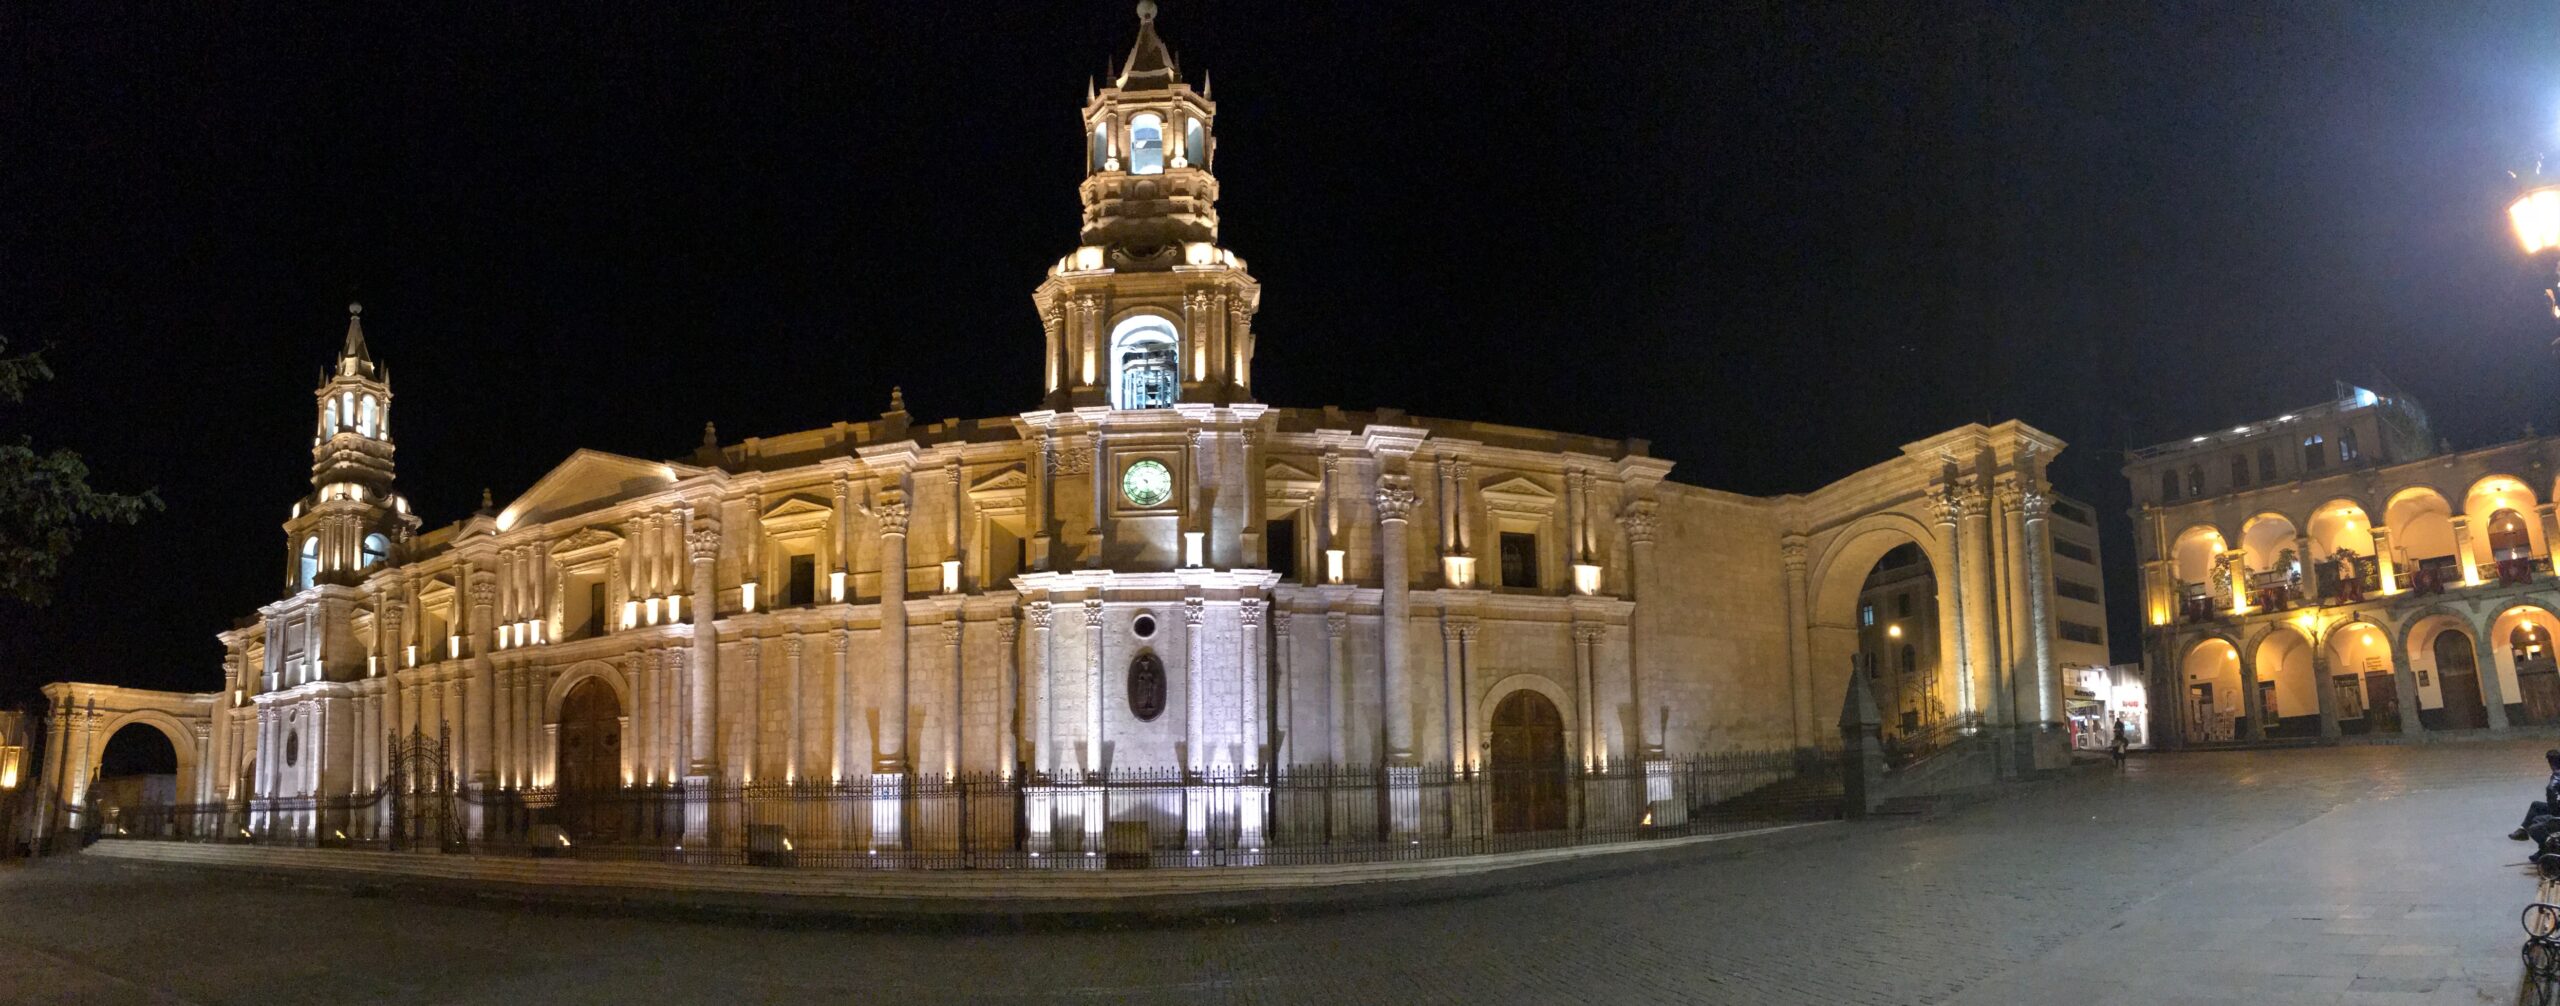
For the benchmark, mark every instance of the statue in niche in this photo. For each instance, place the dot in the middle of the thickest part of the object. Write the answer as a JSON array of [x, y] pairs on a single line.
[[1146, 687]]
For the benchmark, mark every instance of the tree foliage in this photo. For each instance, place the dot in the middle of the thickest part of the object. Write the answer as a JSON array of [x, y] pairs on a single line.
[[45, 496]]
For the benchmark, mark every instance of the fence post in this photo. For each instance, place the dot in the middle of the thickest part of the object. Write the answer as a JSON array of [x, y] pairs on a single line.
[[1861, 750]]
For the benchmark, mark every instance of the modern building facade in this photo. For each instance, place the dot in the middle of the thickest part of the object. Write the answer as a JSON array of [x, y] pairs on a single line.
[[2338, 569], [1149, 570]]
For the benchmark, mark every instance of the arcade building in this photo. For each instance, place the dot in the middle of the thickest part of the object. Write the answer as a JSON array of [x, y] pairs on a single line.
[[2338, 569], [1148, 570]]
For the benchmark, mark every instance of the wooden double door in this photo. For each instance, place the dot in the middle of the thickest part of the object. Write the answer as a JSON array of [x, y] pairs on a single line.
[[590, 763], [1528, 775]]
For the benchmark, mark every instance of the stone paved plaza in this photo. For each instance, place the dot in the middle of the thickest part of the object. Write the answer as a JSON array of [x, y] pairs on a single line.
[[2353, 875]]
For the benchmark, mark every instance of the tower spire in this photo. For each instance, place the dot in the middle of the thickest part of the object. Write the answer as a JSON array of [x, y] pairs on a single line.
[[355, 360], [1150, 64]]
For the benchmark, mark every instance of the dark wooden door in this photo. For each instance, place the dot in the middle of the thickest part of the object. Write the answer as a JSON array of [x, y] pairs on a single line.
[[590, 761], [2381, 702], [1528, 770], [2458, 676]]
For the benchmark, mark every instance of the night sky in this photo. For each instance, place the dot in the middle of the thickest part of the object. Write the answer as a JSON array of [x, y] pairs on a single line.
[[1777, 241]]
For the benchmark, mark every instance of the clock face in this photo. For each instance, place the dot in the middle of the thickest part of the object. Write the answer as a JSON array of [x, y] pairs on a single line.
[[1146, 484]]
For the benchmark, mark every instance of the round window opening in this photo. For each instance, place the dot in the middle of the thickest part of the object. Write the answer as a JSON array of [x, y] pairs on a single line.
[[292, 748], [1144, 626]]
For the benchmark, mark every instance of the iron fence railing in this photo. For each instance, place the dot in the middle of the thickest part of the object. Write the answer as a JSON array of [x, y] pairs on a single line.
[[1165, 819]]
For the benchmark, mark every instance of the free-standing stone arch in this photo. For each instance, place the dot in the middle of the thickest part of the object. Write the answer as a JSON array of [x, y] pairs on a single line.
[[1974, 500], [84, 716]]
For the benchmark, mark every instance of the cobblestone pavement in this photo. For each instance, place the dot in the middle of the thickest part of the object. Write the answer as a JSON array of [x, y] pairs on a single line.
[[2351, 875]]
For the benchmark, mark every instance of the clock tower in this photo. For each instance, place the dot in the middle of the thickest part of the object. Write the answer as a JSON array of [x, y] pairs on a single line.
[[1148, 311]]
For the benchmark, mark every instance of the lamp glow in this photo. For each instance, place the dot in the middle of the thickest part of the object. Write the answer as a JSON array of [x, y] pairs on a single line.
[[2536, 216]]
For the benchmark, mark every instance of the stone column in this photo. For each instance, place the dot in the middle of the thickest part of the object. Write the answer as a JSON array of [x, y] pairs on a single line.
[[1471, 747], [1640, 521], [1008, 696], [1284, 702], [1255, 733], [1093, 684], [793, 646], [1338, 732], [2492, 692], [1586, 720], [1952, 671], [841, 706], [2404, 686], [892, 516], [750, 727], [1980, 610], [1791, 550], [1044, 738], [2252, 718], [1395, 501], [1195, 688], [2017, 657], [2325, 690], [2040, 615], [952, 626], [479, 706], [2389, 577], [1451, 721], [2462, 550], [2549, 513], [702, 709]]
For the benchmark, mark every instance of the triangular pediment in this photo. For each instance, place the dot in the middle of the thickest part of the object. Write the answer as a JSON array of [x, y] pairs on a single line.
[[1282, 471], [1008, 480], [586, 538], [588, 480], [797, 508], [1519, 486]]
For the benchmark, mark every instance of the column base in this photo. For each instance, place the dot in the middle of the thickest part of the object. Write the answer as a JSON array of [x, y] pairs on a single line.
[[1403, 795], [697, 810]]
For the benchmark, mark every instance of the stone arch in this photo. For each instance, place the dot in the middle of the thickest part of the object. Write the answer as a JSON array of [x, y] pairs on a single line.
[[579, 672], [1530, 681], [2526, 678], [182, 739], [2194, 550], [2417, 634], [2264, 537], [1836, 580], [2211, 660], [2282, 657]]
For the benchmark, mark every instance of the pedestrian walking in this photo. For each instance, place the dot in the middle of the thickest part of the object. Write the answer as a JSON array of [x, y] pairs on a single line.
[[2123, 736]]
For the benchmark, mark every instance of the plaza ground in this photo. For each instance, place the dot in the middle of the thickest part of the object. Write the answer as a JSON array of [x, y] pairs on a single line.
[[2348, 875]]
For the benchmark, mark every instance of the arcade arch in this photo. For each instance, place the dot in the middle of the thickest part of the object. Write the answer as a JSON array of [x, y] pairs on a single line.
[[2421, 524], [2444, 654], [2361, 672], [1839, 643], [2288, 704], [2210, 674], [2521, 651]]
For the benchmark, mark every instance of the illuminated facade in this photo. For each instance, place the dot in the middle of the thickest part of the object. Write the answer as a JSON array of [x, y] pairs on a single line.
[[1151, 570], [2319, 573]]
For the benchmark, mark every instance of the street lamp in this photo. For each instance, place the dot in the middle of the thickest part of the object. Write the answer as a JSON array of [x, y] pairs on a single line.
[[2536, 217]]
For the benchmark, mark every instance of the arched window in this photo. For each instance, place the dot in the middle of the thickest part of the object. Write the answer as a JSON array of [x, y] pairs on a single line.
[[329, 419], [1146, 144], [1195, 144], [377, 550], [2347, 447], [1146, 370], [2239, 470], [2168, 485], [2267, 463], [1910, 658], [1101, 146], [364, 416], [310, 561], [2315, 453], [2195, 481]]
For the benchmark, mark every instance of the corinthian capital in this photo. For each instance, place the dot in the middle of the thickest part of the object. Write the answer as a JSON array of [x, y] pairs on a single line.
[[703, 545], [1395, 502], [1943, 508], [892, 517], [2035, 504], [2009, 490], [1040, 614], [1641, 519], [483, 593], [1792, 549], [1192, 610]]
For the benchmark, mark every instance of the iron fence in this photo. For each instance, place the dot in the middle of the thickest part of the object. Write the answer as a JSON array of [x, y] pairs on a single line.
[[1311, 814]]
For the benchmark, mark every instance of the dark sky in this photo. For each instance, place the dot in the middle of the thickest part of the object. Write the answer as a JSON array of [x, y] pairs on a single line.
[[1777, 239]]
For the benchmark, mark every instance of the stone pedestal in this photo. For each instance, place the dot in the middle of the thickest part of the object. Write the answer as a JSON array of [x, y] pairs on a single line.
[[1861, 751], [1664, 805], [1403, 792], [697, 811]]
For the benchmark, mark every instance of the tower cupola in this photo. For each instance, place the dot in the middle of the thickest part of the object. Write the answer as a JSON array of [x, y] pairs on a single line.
[[1148, 311], [352, 519]]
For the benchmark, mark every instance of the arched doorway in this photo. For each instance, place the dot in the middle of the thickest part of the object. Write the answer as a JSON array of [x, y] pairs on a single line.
[[135, 791], [1897, 621], [589, 767], [1528, 766], [2458, 675]]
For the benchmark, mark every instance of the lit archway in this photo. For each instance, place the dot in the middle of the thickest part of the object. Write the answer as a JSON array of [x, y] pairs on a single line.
[[2361, 672], [2499, 509], [2421, 524], [2444, 656], [2288, 700], [1860, 623], [2342, 562], [2210, 676], [2524, 638]]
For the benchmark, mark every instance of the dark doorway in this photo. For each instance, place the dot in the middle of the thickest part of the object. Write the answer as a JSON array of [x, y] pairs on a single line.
[[2458, 675], [1528, 769], [801, 589], [137, 783], [1280, 548], [2381, 702], [590, 761]]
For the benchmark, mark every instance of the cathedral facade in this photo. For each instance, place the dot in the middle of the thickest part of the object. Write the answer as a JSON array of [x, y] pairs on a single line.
[[1151, 570]]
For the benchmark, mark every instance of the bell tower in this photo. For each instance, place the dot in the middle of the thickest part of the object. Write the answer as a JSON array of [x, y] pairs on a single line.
[[1148, 311], [352, 519]]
